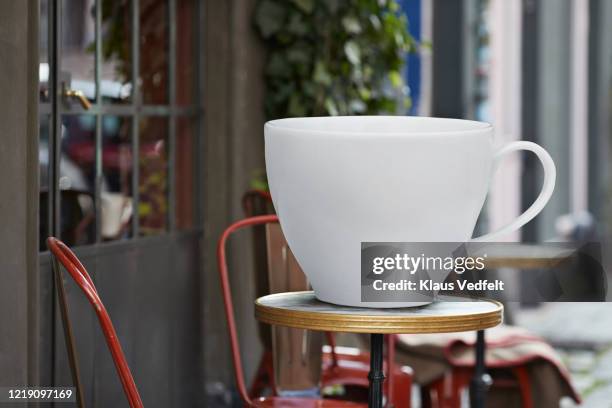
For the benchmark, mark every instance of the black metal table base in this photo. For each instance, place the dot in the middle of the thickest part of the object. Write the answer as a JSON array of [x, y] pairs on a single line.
[[481, 380], [478, 386], [376, 375]]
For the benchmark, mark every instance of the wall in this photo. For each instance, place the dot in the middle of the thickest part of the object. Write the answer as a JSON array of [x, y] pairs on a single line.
[[553, 106], [18, 158], [233, 151]]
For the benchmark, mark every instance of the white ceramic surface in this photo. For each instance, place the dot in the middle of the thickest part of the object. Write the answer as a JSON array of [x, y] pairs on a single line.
[[338, 181]]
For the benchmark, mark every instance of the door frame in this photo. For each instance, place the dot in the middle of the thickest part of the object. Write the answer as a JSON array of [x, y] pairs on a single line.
[[19, 192], [49, 341]]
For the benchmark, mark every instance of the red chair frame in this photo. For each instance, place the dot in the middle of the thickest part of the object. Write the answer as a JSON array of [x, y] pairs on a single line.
[[459, 379], [77, 271], [233, 333], [265, 370]]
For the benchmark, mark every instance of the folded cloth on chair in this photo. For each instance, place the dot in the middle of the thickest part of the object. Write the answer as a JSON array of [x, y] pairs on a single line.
[[433, 355]]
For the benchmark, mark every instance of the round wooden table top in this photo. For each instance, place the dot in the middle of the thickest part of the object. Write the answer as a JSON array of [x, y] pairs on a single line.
[[304, 311]]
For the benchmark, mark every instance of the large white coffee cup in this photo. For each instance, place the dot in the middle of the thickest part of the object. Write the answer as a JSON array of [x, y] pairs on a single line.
[[340, 181]]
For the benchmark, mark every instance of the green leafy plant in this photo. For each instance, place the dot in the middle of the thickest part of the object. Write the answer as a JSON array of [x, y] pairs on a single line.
[[333, 57]]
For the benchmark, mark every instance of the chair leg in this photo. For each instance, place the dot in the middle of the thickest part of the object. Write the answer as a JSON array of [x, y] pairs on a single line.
[[264, 377], [425, 392], [68, 336], [446, 391], [525, 387], [331, 340], [458, 384], [433, 395], [390, 363]]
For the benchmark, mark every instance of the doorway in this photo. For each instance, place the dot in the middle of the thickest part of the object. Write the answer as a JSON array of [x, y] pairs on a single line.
[[120, 121]]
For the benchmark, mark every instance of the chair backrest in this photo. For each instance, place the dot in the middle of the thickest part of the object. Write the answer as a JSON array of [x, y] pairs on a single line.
[[62, 254], [227, 296]]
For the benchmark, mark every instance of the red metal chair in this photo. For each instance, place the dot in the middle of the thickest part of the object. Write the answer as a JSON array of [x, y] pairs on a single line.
[[446, 391], [273, 401], [345, 369], [336, 371], [62, 254]]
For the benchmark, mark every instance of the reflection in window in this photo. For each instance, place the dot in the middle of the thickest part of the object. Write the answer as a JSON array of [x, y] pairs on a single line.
[[185, 67], [184, 179], [101, 196], [116, 66], [43, 52], [43, 180], [78, 34], [116, 193], [154, 51], [153, 175], [77, 179]]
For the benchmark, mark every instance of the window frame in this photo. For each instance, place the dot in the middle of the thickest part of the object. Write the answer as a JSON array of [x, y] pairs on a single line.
[[55, 108]]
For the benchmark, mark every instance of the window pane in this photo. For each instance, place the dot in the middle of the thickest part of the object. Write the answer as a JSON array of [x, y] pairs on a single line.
[[78, 46], [185, 149], [185, 58], [116, 85], [153, 177], [43, 180], [43, 51], [154, 51], [77, 179], [116, 195]]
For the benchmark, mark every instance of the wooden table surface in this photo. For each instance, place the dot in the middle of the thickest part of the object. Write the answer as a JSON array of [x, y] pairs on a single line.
[[303, 310]]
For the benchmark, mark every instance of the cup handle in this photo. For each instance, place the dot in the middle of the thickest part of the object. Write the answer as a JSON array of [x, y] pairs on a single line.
[[550, 175]]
